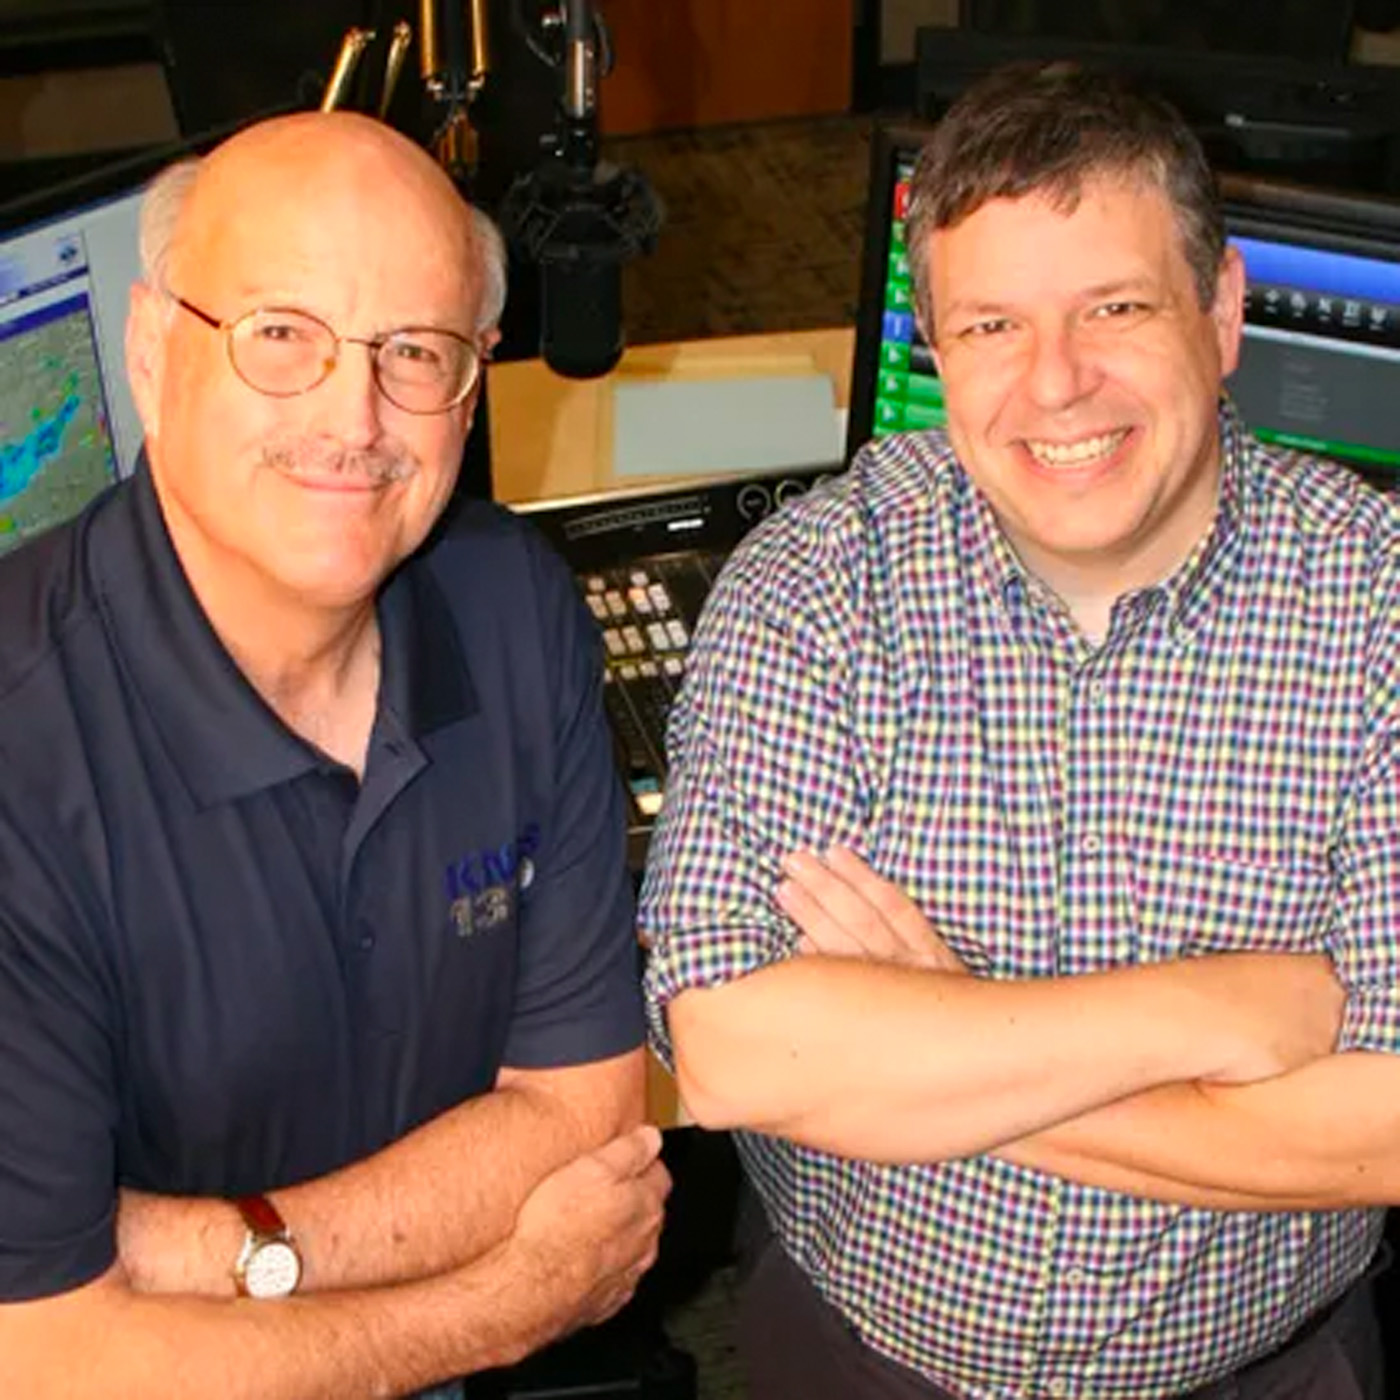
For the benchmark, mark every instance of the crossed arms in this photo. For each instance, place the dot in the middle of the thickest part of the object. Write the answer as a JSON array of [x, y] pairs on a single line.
[[418, 1266], [1208, 1081]]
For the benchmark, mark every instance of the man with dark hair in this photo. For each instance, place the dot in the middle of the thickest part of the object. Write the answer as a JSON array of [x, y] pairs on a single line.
[[1027, 883], [319, 1013]]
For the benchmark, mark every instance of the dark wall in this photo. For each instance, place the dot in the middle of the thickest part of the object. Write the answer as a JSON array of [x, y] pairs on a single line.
[[227, 62], [1300, 28]]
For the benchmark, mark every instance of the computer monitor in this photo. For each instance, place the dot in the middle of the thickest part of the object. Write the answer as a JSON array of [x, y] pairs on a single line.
[[894, 384], [1320, 365], [68, 426]]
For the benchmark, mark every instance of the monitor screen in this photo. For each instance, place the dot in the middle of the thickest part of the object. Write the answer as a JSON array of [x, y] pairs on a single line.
[[67, 423], [68, 258], [894, 385], [1320, 364]]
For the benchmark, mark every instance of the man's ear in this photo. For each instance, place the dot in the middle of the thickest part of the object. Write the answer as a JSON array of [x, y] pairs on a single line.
[[147, 328], [1228, 309]]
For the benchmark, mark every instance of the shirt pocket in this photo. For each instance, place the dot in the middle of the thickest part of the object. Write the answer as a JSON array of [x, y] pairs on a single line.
[[1191, 899]]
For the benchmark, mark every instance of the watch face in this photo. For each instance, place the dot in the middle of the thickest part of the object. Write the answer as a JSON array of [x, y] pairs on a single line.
[[273, 1270]]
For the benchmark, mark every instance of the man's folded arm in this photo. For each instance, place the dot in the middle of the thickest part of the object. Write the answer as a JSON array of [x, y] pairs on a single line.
[[579, 1244], [434, 1199], [869, 1059], [1324, 1136], [1327, 1134], [104, 1339]]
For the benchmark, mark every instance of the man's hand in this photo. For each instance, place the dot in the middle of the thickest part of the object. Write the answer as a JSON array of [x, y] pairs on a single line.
[[844, 909], [588, 1232]]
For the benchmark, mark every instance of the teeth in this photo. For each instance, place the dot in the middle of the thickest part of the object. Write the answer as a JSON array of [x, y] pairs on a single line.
[[1059, 454]]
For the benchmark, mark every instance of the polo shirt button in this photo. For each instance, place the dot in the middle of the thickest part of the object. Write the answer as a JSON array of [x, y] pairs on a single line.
[[1096, 691], [1074, 1277], [1091, 845], [1058, 1386], [366, 942]]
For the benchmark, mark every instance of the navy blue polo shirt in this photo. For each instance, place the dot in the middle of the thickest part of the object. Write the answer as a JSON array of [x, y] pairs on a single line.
[[225, 964]]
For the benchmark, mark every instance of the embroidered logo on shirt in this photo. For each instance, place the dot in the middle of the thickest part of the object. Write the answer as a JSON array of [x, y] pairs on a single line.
[[483, 885]]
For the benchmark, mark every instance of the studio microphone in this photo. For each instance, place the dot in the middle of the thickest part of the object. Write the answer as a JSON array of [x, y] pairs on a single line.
[[579, 219]]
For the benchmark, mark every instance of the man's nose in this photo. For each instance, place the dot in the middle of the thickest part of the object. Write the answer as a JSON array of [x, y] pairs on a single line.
[[350, 395], [1061, 370]]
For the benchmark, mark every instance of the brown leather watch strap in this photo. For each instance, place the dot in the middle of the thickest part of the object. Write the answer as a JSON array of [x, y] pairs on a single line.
[[260, 1215]]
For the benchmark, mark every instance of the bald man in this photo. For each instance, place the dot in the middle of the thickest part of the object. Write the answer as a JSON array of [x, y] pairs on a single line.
[[318, 998]]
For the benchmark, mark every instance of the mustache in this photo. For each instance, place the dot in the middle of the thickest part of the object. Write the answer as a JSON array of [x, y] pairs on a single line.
[[381, 465]]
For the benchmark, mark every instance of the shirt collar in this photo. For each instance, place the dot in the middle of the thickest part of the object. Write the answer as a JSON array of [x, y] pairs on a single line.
[[996, 569], [1192, 589], [219, 733], [993, 564], [426, 682]]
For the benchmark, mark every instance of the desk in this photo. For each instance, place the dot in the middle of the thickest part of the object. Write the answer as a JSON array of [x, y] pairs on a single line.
[[553, 437]]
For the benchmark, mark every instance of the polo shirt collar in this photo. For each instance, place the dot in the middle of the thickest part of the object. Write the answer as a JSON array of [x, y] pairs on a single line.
[[426, 683], [220, 734]]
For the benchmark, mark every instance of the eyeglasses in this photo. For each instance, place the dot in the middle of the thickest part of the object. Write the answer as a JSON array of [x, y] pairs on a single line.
[[283, 352]]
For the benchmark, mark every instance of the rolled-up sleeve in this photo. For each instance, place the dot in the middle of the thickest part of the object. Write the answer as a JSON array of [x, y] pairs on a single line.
[[762, 761], [1365, 941]]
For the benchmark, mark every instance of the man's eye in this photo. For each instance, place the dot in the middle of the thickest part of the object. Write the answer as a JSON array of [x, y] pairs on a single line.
[[281, 332], [1119, 310], [981, 330], [414, 353]]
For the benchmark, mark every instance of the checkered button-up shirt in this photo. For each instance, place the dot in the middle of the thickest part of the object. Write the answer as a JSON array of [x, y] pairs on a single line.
[[874, 669]]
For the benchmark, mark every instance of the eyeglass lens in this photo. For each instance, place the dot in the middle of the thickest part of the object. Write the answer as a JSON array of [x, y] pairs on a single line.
[[283, 352]]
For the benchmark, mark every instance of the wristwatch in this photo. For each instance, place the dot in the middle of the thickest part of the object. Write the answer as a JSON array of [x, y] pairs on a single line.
[[268, 1265]]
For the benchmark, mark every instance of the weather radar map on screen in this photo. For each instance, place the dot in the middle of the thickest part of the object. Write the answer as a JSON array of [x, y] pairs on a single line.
[[55, 443], [68, 427]]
